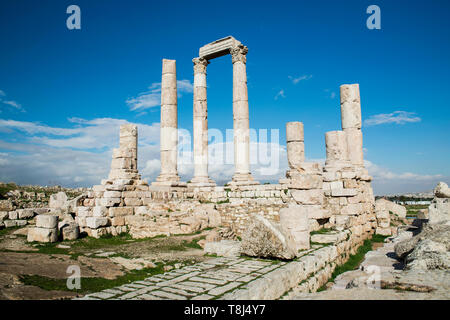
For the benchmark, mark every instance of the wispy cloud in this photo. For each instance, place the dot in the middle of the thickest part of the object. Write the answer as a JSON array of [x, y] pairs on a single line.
[[152, 97], [10, 103], [280, 94], [296, 80], [397, 117], [331, 93]]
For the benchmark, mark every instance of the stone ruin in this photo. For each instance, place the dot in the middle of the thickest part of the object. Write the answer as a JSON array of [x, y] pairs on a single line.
[[311, 196]]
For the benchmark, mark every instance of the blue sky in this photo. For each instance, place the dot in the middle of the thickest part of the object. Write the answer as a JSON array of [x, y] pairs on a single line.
[[64, 92]]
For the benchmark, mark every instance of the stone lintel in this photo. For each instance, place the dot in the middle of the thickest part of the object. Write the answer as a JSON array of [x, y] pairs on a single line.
[[218, 48]]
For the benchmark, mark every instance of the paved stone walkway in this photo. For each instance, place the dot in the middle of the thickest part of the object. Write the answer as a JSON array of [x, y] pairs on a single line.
[[203, 281]]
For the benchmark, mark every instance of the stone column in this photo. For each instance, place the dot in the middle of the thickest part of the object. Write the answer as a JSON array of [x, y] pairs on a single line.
[[124, 159], [351, 122], [241, 126], [169, 126], [336, 147], [200, 125], [295, 144]]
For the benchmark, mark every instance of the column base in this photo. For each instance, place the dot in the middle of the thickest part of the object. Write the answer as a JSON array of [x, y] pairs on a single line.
[[169, 180], [202, 182], [242, 179]]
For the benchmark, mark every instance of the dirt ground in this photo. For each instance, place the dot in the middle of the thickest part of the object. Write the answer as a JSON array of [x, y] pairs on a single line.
[[103, 258]]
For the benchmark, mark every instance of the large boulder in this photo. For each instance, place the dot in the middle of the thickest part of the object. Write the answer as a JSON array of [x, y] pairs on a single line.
[[58, 200], [267, 239], [439, 211], [442, 190], [389, 206], [427, 250], [295, 219]]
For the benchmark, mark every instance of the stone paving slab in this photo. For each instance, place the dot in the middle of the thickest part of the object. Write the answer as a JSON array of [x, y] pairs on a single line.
[[203, 281]]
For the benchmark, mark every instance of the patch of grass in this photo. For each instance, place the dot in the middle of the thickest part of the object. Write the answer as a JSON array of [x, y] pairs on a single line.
[[227, 189], [223, 201], [89, 285], [193, 244], [355, 259], [320, 231], [286, 191], [378, 238], [7, 230], [416, 206]]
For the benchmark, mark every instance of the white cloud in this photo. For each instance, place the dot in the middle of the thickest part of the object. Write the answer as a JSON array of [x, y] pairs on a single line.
[[80, 155], [280, 94], [11, 103], [296, 80], [397, 117], [152, 97]]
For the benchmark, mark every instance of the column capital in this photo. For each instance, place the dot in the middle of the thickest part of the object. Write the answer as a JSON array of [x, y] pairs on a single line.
[[200, 65], [238, 53]]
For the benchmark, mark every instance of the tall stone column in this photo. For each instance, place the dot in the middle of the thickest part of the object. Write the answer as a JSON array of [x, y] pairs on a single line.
[[200, 125], [295, 144], [351, 122], [169, 126], [124, 159], [241, 126], [336, 148]]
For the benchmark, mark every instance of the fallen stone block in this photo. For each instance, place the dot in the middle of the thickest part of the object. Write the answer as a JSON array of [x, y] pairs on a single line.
[[71, 231], [58, 200], [6, 205], [266, 239], [96, 222], [25, 213], [223, 248], [42, 235], [46, 221]]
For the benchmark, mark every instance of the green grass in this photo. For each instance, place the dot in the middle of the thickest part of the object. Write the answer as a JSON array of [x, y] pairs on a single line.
[[320, 231], [223, 201], [416, 206], [355, 259], [94, 284]]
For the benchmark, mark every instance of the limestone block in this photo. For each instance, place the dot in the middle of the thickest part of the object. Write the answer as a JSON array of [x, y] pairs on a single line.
[[107, 202], [169, 66], [336, 146], [240, 110], [350, 106], [10, 223], [6, 205], [133, 202], [21, 223], [294, 131], [3, 215], [296, 153], [112, 194], [382, 214], [118, 221], [42, 234], [83, 211], [120, 153], [100, 211], [25, 213], [314, 196], [344, 192], [295, 219], [355, 146], [122, 163], [439, 211], [442, 190], [120, 211], [13, 215], [263, 238], [386, 205], [383, 231], [57, 200], [223, 248], [96, 222], [46, 221], [71, 231], [351, 209]]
